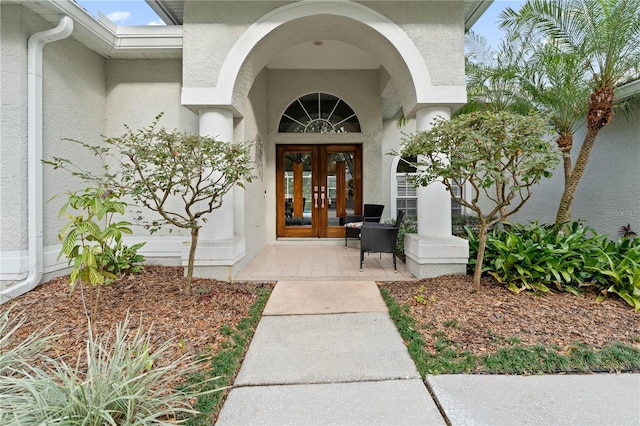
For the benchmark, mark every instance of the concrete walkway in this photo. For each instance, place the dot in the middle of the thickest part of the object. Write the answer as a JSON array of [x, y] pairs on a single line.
[[326, 352]]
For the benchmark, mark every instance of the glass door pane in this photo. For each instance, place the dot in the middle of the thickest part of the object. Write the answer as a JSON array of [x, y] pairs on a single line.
[[297, 194], [340, 191]]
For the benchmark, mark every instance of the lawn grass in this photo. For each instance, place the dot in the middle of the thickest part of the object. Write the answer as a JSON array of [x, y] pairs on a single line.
[[226, 362], [512, 358]]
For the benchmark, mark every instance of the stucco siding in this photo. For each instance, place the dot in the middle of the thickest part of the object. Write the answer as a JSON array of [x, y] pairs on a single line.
[[608, 195], [73, 107], [137, 91], [214, 27], [14, 33], [437, 30], [256, 215]]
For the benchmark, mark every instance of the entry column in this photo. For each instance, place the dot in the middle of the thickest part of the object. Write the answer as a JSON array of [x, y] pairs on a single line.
[[434, 251], [219, 248]]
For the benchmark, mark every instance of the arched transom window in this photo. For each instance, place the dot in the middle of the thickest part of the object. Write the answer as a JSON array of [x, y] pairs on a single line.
[[319, 113]]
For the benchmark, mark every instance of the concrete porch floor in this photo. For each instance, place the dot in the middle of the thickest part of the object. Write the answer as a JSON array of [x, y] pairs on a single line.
[[315, 259]]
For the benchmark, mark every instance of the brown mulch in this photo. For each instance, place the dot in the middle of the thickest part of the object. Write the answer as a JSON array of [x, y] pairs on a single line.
[[485, 321], [480, 322], [152, 298]]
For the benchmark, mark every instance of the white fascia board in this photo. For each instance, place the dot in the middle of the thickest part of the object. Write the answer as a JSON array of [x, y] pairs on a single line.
[[149, 37], [627, 90]]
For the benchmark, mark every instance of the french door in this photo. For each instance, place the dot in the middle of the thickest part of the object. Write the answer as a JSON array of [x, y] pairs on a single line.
[[316, 187]]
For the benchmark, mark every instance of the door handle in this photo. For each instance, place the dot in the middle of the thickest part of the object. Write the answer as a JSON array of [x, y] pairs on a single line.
[[322, 198], [315, 199]]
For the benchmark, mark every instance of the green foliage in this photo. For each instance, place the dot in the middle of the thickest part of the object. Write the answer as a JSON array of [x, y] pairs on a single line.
[[123, 384], [541, 258], [499, 155], [181, 176], [618, 270], [409, 225], [91, 240], [123, 259], [17, 355], [582, 50]]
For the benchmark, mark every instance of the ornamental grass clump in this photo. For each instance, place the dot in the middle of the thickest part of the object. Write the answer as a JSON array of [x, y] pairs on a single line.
[[117, 381]]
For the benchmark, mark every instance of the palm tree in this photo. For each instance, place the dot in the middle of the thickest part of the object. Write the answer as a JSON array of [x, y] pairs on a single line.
[[492, 74], [551, 80], [604, 37]]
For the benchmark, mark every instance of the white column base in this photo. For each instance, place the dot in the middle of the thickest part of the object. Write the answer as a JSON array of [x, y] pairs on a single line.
[[428, 257], [217, 259]]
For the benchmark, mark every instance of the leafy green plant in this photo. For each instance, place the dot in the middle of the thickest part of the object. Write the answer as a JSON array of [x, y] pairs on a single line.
[[91, 240], [622, 272], [122, 259], [542, 258], [409, 225], [117, 381]]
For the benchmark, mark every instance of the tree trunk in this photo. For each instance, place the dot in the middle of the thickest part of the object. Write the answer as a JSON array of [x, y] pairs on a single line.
[[570, 186], [192, 257], [482, 242], [599, 115], [565, 143]]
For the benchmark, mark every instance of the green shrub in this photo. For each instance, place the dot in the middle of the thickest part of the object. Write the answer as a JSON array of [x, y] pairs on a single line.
[[92, 241], [409, 225], [459, 224], [117, 381], [540, 258]]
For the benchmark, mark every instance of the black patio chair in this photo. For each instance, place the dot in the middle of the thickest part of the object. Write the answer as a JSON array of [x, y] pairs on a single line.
[[353, 223], [380, 238]]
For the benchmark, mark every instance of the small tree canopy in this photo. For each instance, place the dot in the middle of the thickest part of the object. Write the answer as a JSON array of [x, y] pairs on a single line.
[[500, 155], [179, 175]]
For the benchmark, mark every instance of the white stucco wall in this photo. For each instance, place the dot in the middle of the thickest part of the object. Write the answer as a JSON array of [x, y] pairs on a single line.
[[437, 30], [425, 32], [214, 27], [257, 195], [73, 107], [608, 195], [137, 91]]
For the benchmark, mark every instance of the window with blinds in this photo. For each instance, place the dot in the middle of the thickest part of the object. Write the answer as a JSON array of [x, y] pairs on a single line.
[[406, 196]]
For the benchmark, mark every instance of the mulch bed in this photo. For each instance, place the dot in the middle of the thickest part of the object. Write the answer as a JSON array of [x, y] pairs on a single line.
[[152, 298], [480, 322], [485, 321]]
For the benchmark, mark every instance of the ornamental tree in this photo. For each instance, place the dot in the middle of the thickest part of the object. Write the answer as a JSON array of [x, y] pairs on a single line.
[[180, 176], [500, 156]]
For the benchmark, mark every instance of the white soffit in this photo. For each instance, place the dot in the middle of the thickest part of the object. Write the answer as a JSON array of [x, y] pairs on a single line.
[[323, 54]]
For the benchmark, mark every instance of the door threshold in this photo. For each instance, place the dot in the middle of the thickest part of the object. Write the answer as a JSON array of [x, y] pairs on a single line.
[[312, 240]]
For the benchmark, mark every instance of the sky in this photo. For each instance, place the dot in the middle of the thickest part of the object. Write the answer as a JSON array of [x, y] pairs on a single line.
[[121, 12], [487, 25], [137, 12]]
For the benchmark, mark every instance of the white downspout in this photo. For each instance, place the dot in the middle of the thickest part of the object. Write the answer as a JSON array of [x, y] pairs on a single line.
[[34, 137]]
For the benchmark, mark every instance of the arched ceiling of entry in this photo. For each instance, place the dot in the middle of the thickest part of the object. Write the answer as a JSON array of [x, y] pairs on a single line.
[[343, 22]]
